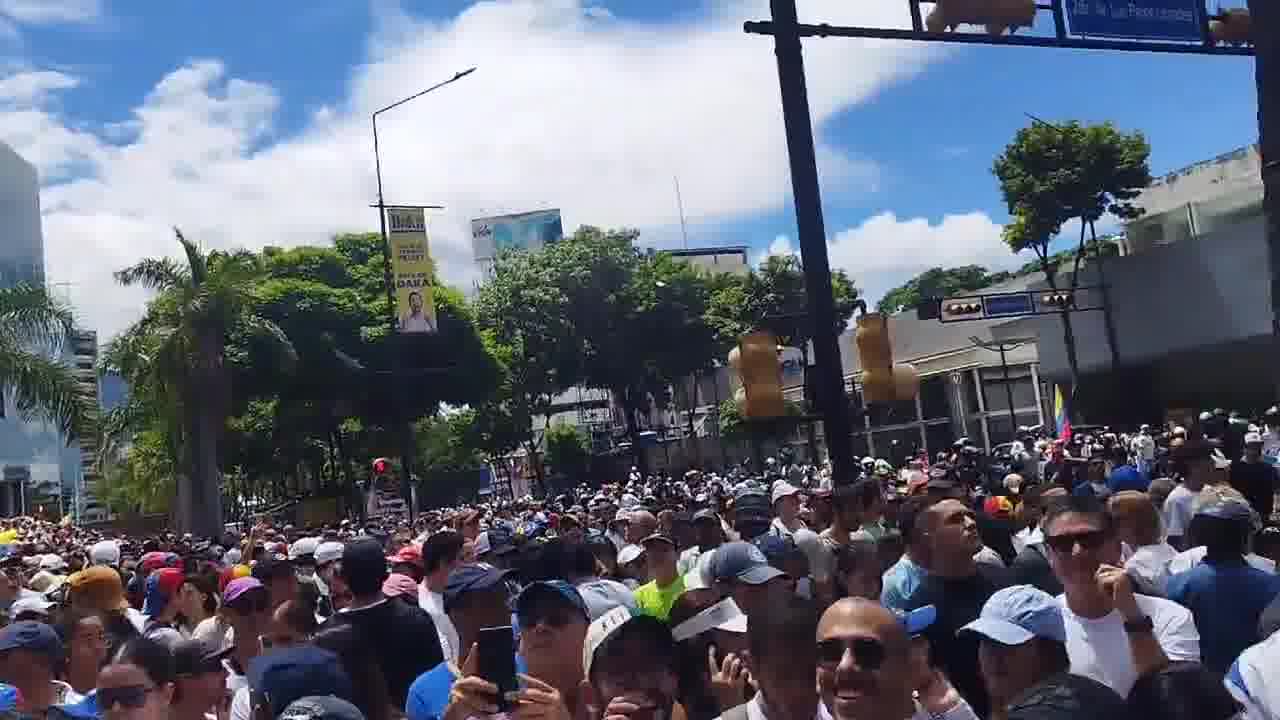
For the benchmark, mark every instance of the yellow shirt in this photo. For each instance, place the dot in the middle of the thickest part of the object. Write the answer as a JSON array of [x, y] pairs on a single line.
[[657, 601]]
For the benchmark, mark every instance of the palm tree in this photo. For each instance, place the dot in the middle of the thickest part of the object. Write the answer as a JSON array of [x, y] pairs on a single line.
[[176, 359], [33, 330]]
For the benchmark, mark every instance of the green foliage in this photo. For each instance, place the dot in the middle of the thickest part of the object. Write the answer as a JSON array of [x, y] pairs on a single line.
[[773, 297], [447, 443], [735, 426], [949, 282], [279, 368], [144, 480], [568, 449], [938, 282], [1051, 174], [33, 330]]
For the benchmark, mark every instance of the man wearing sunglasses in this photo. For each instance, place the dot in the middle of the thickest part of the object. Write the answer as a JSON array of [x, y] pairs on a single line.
[[863, 656], [1113, 635]]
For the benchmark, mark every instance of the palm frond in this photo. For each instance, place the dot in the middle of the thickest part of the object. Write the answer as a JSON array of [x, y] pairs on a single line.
[[154, 274], [43, 387], [29, 316], [197, 263], [273, 336]]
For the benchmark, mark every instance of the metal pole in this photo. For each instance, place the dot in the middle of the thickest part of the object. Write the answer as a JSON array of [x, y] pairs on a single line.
[[813, 239], [408, 449], [1265, 16], [1008, 392]]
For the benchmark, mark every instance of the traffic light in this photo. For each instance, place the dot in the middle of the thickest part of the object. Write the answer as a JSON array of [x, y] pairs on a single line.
[[756, 360], [994, 15], [1059, 300], [961, 308], [1232, 27], [882, 380], [381, 466]]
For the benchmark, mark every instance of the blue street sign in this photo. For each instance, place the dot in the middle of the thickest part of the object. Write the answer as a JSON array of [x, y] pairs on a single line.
[[1137, 19], [1005, 305]]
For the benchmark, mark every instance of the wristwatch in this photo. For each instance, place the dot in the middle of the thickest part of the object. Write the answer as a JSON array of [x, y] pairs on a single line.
[[1141, 625]]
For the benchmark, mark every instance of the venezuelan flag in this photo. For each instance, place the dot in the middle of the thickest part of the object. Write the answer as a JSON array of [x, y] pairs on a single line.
[[1060, 419]]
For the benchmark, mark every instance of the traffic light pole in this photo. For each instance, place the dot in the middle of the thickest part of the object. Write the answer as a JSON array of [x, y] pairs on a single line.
[[1266, 28], [805, 189]]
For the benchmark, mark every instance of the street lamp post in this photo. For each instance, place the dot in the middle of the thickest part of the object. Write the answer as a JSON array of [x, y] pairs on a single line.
[[406, 456]]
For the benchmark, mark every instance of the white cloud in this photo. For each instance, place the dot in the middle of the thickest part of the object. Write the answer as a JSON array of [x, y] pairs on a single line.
[[569, 108], [50, 11], [885, 251], [33, 86]]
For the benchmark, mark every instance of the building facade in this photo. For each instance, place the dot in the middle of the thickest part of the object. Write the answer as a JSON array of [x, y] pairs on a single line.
[[35, 463], [1190, 304], [965, 389]]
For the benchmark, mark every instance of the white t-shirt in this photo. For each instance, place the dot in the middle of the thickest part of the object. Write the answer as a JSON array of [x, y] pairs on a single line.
[[1177, 511], [1151, 564], [1099, 648], [433, 603]]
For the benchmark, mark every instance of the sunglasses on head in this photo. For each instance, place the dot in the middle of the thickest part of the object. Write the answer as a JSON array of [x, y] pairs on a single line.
[[129, 696], [1065, 543], [868, 653]]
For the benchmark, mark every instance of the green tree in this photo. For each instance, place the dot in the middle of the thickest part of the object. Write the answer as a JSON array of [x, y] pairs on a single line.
[[1051, 174], [568, 449], [34, 328], [773, 297], [144, 479], [938, 282], [177, 352]]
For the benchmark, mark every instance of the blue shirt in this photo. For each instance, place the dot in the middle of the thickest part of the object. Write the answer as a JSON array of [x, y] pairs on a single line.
[[1225, 601], [1127, 477], [899, 582], [429, 694]]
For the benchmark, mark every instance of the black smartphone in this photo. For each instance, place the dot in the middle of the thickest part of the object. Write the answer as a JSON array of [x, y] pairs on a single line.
[[497, 661]]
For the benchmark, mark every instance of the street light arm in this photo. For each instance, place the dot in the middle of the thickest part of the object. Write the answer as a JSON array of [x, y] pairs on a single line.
[[456, 77]]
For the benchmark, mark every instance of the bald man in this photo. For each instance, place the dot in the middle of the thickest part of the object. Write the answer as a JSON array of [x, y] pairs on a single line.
[[641, 524], [864, 662]]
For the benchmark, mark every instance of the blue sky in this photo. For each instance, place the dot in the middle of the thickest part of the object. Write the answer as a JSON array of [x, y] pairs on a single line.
[[248, 124]]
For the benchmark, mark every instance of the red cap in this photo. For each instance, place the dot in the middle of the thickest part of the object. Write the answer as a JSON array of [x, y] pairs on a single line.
[[407, 555]]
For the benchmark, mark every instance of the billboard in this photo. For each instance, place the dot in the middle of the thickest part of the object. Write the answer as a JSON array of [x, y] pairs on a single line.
[[524, 231], [411, 270]]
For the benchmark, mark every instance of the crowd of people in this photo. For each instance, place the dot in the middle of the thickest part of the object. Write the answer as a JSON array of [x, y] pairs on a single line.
[[1104, 575]]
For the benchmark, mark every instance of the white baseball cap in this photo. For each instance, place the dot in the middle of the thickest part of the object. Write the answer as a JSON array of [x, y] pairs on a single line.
[[782, 489], [327, 552], [105, 552]]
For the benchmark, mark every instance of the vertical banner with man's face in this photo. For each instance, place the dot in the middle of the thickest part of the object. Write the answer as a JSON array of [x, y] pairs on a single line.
[[411, 270]]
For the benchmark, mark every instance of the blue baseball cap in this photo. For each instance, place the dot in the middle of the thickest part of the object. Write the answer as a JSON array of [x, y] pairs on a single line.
[[742, 562], [283, 676], [554, 588], [918, 620], [32, 636], [1015, 615], [471, 578], [775, 548]]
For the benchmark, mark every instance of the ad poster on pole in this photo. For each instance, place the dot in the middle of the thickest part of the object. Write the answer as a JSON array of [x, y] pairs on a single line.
[[411, 270], [523, 231]]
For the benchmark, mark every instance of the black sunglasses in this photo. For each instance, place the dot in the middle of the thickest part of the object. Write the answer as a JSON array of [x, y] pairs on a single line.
[[868, 653], [1065, 543], [130, 696]]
